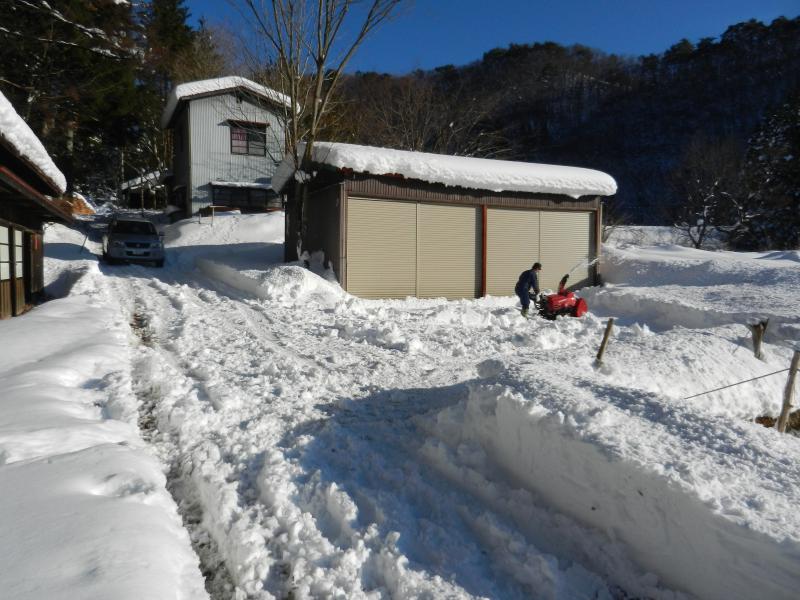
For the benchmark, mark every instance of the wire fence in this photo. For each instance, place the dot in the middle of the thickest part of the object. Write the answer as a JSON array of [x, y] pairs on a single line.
[[758, 330], [725, 387]]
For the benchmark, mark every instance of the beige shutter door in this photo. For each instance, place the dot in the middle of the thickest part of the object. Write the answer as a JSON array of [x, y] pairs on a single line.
[[567, 242], [512, 245], [381, 248], [448, 251]]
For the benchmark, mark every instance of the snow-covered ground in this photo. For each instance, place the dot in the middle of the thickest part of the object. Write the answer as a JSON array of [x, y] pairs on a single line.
[[246, 422]]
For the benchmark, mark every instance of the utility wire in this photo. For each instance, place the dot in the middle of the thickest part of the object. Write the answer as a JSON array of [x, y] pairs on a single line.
[[735, 384]]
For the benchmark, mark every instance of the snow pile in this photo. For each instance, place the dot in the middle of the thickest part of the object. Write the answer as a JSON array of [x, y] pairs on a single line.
[[87, 512], [642, 470], [287, 285], [191, 89], [16, 134], [229, 239], [226, 230], [472, 173]]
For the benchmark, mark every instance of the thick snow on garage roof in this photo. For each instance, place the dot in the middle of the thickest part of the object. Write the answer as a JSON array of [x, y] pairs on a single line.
[[191, 89], [467, 172], [20, 139]]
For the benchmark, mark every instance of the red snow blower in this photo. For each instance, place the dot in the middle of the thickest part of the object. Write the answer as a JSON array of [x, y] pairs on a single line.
[[562, 303]]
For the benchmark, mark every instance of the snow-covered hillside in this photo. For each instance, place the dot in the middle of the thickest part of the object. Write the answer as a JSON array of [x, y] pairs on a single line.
[[319, 445]]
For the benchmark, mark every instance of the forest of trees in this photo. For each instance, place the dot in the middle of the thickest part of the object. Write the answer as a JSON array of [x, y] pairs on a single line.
[[680, 131], [91, 76], [705, 136]]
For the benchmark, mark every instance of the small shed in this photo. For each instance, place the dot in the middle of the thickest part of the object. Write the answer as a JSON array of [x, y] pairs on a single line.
[[28, 178], [145, 191], [394, 223]]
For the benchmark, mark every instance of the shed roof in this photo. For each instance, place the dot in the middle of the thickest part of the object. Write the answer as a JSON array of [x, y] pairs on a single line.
[[17, 138], [220, 85], [461, 171]]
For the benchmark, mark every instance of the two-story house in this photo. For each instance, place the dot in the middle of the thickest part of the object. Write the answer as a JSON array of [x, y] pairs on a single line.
[[228, 138]]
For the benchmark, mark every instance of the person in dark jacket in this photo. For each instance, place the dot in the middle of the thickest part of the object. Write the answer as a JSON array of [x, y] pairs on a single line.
[[528, 280]]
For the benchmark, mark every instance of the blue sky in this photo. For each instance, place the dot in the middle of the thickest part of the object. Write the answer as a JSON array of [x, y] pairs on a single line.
[[431, 33]]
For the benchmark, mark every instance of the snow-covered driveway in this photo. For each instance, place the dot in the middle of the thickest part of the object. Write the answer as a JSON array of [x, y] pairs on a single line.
[[319, 445], [295, 430]]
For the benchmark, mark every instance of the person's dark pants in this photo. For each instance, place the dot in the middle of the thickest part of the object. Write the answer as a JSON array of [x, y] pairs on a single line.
[[525, 298]]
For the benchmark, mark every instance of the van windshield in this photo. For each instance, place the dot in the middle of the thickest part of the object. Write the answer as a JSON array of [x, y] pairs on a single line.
[[136, 227]]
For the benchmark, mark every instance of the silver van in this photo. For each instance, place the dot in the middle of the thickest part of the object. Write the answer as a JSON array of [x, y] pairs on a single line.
[[131, 239]]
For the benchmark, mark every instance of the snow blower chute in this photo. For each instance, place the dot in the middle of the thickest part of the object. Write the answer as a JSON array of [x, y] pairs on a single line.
[[562, 303]]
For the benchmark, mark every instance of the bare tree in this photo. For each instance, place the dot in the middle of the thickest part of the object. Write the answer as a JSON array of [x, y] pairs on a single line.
[[706, 182], [422, 112], [614, 216], [309, 44]]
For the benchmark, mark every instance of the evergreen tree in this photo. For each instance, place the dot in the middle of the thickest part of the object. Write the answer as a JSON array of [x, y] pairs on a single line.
[[69, 71], [166, 36], [769, 217]]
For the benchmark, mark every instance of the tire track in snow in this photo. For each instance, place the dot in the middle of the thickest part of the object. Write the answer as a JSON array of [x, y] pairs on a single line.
[[252, 441], [150, 388], [197, 455]]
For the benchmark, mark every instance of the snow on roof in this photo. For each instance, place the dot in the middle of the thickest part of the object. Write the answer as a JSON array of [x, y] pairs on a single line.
[[150, 179], [467, 172], [192, 89], [242, 184], [18, 137]]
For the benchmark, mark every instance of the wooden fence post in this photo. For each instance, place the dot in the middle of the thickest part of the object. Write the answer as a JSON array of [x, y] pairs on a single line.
[[605, 341], [759, 330], [787, 393]]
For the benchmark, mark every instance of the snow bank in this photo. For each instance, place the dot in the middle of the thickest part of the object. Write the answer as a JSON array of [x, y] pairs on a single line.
[[225, 229], [288, 285], [472, 173], [207, 86], [647, 473], [234, 240], [16, 134], [85, 505], [668, 286]]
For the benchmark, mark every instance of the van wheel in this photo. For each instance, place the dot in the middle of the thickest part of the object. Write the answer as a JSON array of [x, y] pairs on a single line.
[[159, 263]]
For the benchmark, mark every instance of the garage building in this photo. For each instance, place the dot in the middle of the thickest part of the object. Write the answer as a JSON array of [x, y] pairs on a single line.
[[394, 223]]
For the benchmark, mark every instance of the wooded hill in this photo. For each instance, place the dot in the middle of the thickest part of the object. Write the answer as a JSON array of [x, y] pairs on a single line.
[[635, 118]]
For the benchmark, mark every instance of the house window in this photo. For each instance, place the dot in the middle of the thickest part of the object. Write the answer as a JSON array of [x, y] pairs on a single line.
[[245, 199], [5, 255], [248, 138], [18, 260]]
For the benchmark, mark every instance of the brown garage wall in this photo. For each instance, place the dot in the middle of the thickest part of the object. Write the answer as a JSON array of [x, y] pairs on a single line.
[[322, 217]]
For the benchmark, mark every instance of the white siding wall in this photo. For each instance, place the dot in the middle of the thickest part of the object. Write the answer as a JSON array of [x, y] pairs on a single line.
[[211, 144]]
